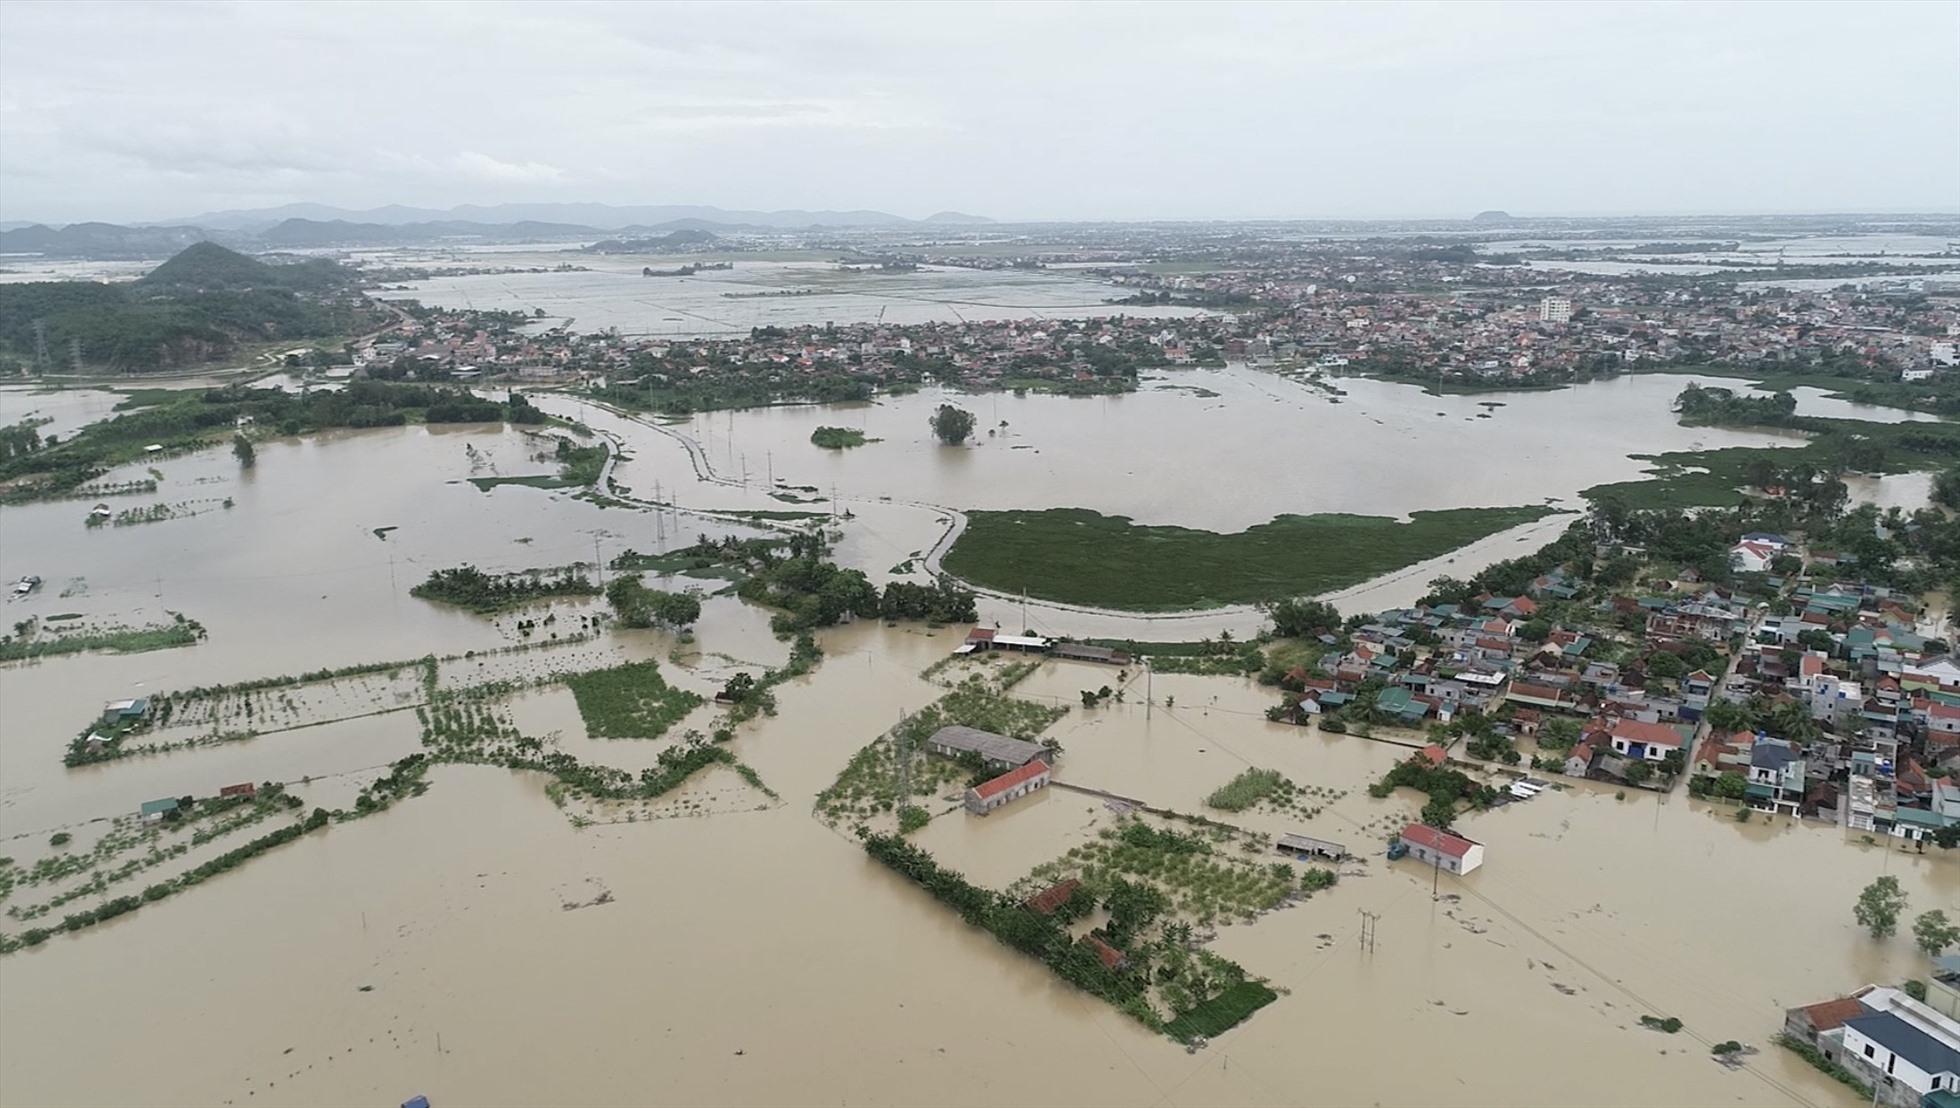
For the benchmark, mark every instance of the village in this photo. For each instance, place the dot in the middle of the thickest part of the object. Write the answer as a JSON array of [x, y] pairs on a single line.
[[1439, 316]]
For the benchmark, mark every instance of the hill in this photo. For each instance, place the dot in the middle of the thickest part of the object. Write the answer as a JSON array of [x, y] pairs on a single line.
[[203, 305], [602, 217], [99, 240]]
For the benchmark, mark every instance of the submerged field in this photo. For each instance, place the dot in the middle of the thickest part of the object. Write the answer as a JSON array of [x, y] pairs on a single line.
[[1083, 557]]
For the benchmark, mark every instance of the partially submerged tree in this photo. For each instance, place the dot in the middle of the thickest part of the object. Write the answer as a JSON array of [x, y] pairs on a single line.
[[952, 425], [1934, 933], [1879, 906]]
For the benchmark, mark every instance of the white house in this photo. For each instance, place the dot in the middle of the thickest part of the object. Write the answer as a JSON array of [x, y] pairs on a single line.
[[1442, 849], [1750, 557], [1906, 1052], [1007, 788]]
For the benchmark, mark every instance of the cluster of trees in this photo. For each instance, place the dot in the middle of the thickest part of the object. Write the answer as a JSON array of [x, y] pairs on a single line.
[[1044, 937], [1880, 905], [940, 602], [1699, 405], [1445, 787], [1300, 617], [194, 418], [19, 439], [814, 592], [470, 587], [639, 606]]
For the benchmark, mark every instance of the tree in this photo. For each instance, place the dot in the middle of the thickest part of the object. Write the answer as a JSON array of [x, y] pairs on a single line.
[[1558, 735], [952, 425], [738, 688], [1731, 786], [1639, 773], [1727, 716], [1299, 617], [1879, 906], [1934, 933], [241, 448], [1673, 762], [1662, 664]]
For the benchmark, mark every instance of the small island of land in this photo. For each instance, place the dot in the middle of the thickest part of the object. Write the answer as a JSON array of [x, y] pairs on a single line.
[[1083, 557], [838, 438]]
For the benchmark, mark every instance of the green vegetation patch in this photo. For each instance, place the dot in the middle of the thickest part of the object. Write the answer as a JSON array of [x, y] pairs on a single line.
[[1221, 1013], [1083, 557], [838, 438], [470, 587], [1248, 789], [629, 702], [25, 643]]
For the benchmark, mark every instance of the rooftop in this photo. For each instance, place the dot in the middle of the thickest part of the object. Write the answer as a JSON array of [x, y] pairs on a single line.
[[1011, 778], [1421, 834]]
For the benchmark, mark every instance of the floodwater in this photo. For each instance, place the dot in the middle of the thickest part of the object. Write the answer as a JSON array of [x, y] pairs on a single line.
[[611, 293], [717, 947], [65, 410], [452, 946], [1261, 445]]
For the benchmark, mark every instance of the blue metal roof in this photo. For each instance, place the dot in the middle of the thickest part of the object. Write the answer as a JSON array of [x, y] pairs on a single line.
[[1907, 1041]]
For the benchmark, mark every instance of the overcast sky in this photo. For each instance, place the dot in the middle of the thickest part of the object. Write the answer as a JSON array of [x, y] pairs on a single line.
[[154, 111]]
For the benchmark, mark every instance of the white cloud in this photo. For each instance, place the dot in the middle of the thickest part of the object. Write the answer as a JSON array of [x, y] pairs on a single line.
[[483, 167], [1043, 111]]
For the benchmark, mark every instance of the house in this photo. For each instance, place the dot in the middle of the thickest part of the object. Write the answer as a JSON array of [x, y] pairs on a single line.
[[1432, 754], [123, 711], [1110, 957], [1304, 847], [1086, 652], [153, 810], [1642, 741], [1586, 754], [247, 789], [1050, 900], [1806, 1024], [987, 638], [1007, 788], [1776, 774], [1903, 1056], [1400, 703], [994, 750], [1943, 986], [1442, 849], [1751, 557]]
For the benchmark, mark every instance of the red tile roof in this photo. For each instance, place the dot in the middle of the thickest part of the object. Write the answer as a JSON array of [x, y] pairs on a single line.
[[1421, 834], [1650, 734], [1111, 957], [1434, 755], [1831, 1014], [1054, 896], [980, 634], [1011, 778]]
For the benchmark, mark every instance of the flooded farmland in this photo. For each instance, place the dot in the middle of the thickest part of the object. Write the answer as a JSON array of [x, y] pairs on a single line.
[[460, 945], [723, 945]]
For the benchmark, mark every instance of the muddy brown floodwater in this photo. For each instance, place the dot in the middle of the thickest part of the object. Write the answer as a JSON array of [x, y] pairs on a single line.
[[476, 945], [756, 957]]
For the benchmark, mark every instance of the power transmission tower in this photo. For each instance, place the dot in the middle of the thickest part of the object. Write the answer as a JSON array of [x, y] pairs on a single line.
[[904, 756], [75, 352], [1369, 921], [41, 344]]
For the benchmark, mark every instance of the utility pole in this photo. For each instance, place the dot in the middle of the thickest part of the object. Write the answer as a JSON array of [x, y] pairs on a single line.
[[1435, 873], [1149, 688], [771, 456], [904, 757], [598, 563]]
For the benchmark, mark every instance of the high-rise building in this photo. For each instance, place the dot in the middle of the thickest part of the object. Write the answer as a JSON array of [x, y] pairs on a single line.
[[1555, 309]]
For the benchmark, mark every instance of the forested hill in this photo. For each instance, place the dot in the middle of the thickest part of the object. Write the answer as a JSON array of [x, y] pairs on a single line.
[[203, 305], [206, 265]]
